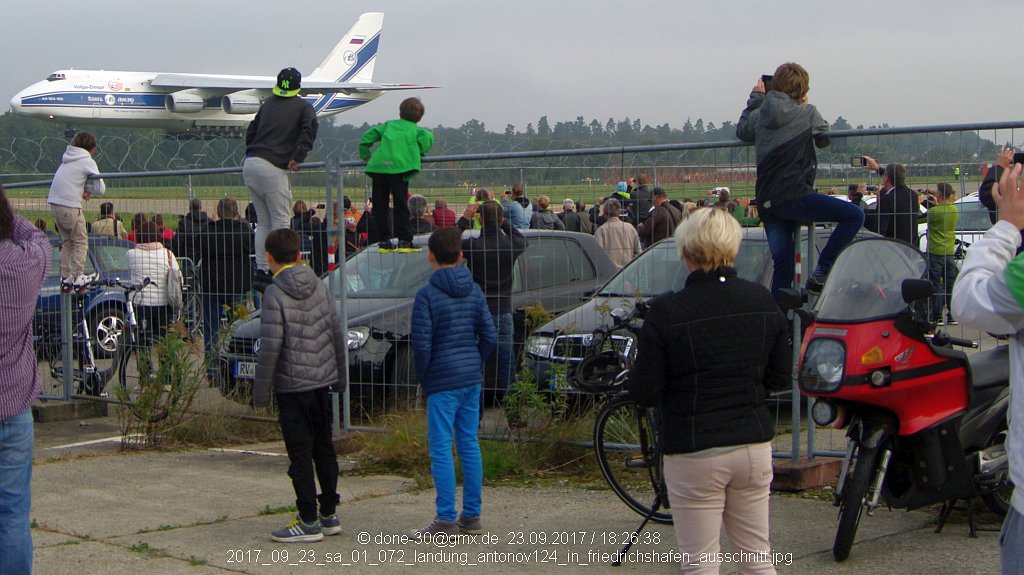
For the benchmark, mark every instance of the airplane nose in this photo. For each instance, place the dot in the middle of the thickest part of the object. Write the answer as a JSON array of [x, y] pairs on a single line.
[[16, 104]]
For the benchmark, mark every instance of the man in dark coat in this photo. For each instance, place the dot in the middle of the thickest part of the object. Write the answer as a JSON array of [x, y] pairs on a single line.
[[662, 222], [896, 213], [226, 269]]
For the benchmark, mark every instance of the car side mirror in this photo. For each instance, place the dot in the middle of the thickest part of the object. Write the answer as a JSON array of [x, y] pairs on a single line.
[[915, 290], [791, 298]]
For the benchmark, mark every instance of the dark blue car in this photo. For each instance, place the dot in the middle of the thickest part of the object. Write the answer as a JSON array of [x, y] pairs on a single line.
[[104, 307]]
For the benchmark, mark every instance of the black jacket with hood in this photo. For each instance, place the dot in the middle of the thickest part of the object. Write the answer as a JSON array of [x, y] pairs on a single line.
[[784, 133]]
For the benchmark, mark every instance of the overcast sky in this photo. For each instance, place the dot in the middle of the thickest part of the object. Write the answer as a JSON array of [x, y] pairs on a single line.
[[904, 63]]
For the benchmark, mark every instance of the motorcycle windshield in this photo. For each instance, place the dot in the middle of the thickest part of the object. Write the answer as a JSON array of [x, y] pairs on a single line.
[[867, 278]]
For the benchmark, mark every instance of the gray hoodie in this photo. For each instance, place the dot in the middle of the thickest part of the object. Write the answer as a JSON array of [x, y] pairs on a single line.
[[784, 133], [301, 340], [72, 179]]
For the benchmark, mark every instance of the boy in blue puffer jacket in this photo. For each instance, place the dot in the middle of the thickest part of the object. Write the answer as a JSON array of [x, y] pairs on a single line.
[[452, 335]]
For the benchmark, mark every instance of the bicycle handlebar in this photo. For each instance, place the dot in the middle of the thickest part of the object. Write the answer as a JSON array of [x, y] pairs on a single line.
[[116, 282]]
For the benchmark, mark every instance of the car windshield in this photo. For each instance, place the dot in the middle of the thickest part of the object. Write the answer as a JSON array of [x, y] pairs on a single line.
[[658, 270], [974, 217], [371, 274], [866, 281]]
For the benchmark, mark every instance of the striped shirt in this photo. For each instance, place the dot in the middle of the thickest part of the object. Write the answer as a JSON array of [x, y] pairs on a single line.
[[24, 262]]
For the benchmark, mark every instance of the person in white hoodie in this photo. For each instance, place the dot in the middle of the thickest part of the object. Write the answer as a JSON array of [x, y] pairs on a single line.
[[989, 296], [71, 185]]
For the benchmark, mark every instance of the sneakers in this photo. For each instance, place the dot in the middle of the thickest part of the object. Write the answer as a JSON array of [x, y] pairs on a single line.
[[330, 525], [815, 284], [470, 525], [950, 321], [404, 245], [261, 280], [387, 245], [437, 527], [299, 532]]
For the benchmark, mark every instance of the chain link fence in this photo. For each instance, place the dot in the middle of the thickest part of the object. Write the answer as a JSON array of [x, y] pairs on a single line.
[[561, 278]]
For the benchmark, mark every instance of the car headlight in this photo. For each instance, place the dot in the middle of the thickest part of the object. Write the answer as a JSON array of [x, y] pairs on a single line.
[[823, 365], [540, 346], [358, 336]]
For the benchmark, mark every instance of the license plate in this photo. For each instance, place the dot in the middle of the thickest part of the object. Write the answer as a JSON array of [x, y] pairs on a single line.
[[245, 369]]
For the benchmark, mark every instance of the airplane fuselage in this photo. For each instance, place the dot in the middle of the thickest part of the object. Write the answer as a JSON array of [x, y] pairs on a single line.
[[114, 98]]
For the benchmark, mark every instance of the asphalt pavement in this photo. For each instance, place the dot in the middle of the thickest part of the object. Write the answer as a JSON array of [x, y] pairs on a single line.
[[97, 510]]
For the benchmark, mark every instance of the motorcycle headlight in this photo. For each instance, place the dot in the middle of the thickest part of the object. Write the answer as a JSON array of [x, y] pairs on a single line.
[[823, 366], [540, 346], [357, 337]]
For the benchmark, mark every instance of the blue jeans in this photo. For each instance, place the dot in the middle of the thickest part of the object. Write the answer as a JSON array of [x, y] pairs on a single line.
[[783, 223], [942, 271], [1011, 544], [504, 353], [456, 411], [16, 436]]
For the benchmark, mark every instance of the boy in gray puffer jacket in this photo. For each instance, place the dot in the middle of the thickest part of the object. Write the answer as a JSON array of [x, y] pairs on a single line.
[[300, 357]]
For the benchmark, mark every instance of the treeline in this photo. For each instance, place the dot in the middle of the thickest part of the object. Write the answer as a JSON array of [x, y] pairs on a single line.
[[32, 146]]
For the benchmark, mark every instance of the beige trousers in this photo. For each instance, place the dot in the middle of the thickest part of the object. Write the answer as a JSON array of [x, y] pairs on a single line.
[[74, 240], [706, 491]]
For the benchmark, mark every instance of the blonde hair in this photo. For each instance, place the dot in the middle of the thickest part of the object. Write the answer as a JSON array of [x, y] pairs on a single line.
[[543, 202], [709, 238]]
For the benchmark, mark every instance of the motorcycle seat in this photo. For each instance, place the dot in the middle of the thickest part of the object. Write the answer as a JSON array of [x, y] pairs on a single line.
[[990, 368]]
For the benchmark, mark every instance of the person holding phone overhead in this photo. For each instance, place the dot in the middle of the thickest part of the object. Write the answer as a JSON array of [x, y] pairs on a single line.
[[785, 130]]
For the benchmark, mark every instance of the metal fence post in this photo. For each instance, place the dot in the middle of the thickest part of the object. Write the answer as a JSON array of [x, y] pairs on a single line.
[[811, 265], [342, 291], [328, 228], [795, 397], [67, 340]]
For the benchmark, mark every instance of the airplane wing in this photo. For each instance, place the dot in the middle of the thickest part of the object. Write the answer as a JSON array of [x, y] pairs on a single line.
[[235, 83]]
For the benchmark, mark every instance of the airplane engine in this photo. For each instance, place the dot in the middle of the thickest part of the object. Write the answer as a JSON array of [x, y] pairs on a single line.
[[239, 103], [183, 103]]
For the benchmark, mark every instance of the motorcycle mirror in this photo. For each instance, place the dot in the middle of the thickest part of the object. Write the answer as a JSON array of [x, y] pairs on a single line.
[[916, 289], [790, 298]]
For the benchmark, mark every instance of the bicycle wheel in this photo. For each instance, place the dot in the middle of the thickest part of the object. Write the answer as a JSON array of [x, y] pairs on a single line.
[[142, 387], [88, 378], [624, 443]]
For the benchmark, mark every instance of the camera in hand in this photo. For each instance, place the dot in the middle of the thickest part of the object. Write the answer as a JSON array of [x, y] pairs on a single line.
[[858, 161], [766, 79]]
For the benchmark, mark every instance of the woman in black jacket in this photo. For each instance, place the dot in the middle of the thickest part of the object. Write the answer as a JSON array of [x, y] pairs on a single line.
[[707, 357]]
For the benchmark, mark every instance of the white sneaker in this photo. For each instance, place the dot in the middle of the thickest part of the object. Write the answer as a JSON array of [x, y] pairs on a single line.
[[83, 280]]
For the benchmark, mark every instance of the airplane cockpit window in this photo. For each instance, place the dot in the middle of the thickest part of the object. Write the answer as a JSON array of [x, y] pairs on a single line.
[[55, 76]]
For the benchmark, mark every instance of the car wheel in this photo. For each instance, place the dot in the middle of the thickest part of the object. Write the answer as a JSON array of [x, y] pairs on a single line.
[[404, 389], [107, 328]]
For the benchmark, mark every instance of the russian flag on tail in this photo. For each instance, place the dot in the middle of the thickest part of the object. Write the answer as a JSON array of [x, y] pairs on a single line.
[[357, 40]]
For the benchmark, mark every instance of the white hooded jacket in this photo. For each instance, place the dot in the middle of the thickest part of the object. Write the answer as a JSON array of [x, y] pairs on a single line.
[[982, 300], [72, 179]]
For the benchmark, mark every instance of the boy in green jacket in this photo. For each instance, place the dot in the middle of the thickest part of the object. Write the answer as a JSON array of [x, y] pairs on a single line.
[[391, 166]]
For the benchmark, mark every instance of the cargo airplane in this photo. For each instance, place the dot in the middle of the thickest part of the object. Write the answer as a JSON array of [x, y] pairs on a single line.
[[206, 104]]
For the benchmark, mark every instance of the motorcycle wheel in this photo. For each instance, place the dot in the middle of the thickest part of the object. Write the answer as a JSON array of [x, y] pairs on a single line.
[[998, 501], [853, 502]]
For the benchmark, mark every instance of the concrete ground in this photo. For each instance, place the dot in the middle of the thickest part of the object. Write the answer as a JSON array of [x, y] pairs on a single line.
[[97, 510]]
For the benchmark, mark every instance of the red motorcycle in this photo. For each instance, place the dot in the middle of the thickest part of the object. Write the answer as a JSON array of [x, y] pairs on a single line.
[[925, 423]]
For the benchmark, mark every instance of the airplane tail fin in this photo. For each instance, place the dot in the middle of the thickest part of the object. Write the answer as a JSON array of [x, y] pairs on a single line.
[[352, 59]]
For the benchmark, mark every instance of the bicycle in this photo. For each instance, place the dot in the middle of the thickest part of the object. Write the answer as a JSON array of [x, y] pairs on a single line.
[[147, 386], [625, 434], [91, 369]]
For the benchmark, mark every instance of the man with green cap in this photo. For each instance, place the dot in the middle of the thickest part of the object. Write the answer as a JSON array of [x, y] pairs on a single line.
[[277, 140]]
